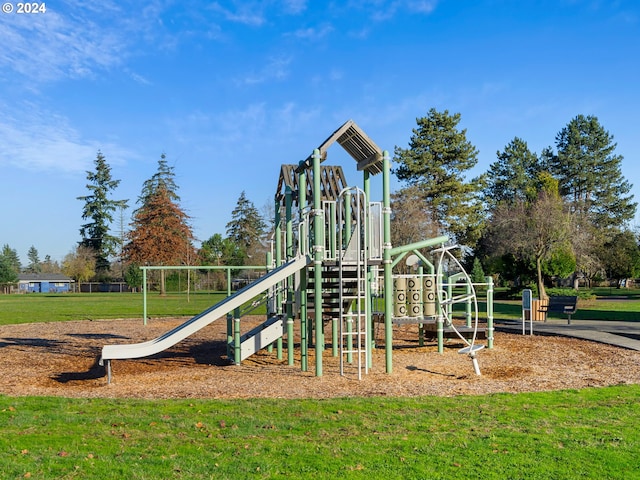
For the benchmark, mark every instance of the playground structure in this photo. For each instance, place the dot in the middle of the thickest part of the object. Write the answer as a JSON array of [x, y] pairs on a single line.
[[332, 264]]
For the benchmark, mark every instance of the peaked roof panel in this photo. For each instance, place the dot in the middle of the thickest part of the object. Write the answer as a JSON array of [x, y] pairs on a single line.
[[357, 144]]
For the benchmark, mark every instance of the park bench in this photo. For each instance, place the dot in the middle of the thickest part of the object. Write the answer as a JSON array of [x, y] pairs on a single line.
[[565, 304]]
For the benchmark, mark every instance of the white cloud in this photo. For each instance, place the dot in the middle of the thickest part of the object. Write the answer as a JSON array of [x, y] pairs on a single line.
[[313, 33], [50, 46], [42, 141], [276, 68], [246, 13]]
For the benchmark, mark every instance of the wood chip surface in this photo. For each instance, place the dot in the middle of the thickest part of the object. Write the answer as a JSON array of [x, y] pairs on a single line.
[[60, 359]]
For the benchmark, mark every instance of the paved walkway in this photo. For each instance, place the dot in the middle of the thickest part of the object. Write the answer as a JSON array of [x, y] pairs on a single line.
[[620, 334]]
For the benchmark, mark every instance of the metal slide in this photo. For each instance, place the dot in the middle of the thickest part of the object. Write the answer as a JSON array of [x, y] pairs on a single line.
[[145, 349]]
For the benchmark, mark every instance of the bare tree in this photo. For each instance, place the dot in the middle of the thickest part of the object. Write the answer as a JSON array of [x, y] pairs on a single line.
[[531, 231]]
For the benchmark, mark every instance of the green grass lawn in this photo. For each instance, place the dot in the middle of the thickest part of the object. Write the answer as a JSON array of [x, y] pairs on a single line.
[[84, 306], [590, 433]]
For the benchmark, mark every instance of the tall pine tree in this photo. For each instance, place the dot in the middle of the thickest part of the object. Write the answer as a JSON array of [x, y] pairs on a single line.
[[437, 160], [98, 209], [246, 227], [589, 173], [513, 177]]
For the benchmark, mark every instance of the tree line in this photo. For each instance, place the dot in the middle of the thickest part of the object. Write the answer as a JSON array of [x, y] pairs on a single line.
[[563, 213], [530, 218]]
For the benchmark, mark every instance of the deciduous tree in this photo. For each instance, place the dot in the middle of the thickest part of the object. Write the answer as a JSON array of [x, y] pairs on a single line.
[[531, 231], [80, 264]]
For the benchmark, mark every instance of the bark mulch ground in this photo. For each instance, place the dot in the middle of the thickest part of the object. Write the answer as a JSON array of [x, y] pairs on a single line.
[[60, 359]]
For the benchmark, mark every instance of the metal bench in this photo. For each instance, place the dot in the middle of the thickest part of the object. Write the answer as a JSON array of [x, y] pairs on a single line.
[[565, 304]]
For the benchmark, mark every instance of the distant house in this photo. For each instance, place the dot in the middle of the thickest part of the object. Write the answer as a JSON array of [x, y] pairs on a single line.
[[43, 283]]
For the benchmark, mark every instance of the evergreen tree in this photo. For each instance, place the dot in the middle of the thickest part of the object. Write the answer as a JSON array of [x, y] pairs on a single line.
[[34, 261], [11, 257], [160, 233], [590, 173], [438, 157], [8, 275], [99, 208], [164, 178], [513, 176], [246, 227]]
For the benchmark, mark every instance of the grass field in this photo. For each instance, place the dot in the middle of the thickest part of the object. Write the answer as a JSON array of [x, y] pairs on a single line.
[[590, 433]]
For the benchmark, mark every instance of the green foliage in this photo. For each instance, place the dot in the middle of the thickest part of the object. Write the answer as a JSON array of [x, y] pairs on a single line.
[[133, 276], [589, 433], [221, 251], [99, 208], [561, 262], [7, 273], [437, 160], [620, 256], [10, 255], [477, 272]]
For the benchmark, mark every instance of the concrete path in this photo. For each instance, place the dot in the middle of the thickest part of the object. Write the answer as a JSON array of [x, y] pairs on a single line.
[[620, 334]]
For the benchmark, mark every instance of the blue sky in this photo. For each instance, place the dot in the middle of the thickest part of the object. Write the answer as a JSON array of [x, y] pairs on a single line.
[[231, 90]]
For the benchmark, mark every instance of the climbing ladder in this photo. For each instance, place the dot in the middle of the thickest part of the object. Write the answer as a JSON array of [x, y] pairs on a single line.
[[352, 277]]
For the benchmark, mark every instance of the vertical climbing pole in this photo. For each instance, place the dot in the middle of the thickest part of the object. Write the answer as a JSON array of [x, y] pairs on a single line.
[[289, 281], [278, 252], [386, 246], [489, 281], [302, 205], [318, 256], [366, 183]]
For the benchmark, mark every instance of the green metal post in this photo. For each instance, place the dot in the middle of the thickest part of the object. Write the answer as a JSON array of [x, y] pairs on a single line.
[[489, 281], [144, 295], [278, 252], [289, 283], [236, 336], [468, 306], [421, 326], [439, 317], [304, 344], [388, 280], [318, 257]]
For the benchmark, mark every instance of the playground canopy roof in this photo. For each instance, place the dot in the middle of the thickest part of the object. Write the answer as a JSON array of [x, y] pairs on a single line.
[[357, 144]]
